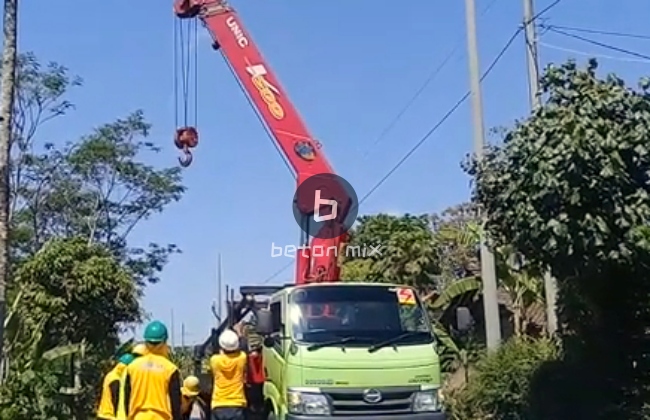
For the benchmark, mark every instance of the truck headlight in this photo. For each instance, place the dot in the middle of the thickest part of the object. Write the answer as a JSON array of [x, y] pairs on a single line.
[[307, 403], [426, 401]]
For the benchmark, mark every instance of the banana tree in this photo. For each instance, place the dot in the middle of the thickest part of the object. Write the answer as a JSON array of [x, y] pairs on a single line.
[[524, 289]]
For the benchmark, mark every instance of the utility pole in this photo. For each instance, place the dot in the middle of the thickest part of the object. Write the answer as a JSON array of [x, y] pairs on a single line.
[[488, 269], [532, 60], [219, 287], [172, 329], [8, 86], [183, 335]]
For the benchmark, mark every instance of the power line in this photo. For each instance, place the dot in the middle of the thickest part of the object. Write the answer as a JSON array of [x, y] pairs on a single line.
[[597, 32], [430, 78], [592, 55], [435, 128], [445, 117], [600, 44], [277, 273]]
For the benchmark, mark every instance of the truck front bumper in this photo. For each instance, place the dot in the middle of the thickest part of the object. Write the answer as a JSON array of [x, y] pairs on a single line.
[[413, 416]]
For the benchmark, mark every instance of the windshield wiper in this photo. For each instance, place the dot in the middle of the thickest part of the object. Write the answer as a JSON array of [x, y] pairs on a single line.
[[341, 340], [393, 340]]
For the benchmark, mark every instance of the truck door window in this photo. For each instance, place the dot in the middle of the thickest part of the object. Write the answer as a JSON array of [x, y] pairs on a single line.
[[276, 315]]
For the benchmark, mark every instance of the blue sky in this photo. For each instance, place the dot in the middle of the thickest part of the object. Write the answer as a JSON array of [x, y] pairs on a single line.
[[348, 69]]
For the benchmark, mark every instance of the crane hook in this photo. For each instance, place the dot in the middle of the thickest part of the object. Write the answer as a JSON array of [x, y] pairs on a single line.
[[185, 139], [186, 160]]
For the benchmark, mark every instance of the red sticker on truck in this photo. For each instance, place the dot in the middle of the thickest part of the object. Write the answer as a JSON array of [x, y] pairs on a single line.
[[405, 296]]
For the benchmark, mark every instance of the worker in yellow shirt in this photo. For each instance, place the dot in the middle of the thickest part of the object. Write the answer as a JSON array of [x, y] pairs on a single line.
[[229, 373], [152, 386], [110, 398]]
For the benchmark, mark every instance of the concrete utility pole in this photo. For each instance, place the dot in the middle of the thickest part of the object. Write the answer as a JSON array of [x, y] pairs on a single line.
[[488, 269], [173, 341], [219, 287], [532, 59]]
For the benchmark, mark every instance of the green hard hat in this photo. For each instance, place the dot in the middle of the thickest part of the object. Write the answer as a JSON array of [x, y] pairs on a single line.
[[156, 332], [127, 359]]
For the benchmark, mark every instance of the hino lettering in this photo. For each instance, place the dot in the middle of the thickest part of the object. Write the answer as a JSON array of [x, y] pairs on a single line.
[[236, 30]]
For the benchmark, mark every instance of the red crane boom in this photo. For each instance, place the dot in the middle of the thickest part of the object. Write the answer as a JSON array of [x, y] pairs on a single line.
[[289, 132]]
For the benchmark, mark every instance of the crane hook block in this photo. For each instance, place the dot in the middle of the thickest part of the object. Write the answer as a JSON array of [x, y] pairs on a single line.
[[186, 138]]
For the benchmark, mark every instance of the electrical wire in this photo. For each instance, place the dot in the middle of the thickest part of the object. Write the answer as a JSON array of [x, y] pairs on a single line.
[[277, 273], [435, 128], [430, 78], [445, 117], [422, 140], [597, 32], [588, 54], [598, 43]]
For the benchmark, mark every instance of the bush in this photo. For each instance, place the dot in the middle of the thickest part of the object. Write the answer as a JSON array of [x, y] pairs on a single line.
[[500, 385]]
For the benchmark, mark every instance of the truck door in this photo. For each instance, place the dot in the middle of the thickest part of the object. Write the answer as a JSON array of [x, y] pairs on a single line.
[[274, 355]]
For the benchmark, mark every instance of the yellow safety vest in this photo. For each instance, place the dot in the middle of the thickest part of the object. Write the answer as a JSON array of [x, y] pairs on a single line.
[[121, 404]]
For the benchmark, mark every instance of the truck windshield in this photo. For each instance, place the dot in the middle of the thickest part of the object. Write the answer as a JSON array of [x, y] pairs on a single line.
[[362, 315]]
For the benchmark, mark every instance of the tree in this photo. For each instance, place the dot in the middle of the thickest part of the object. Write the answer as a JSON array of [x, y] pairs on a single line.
[[408, 252], [457, 232], [6, 107], [98, 189], [568, 189], [70, 293], [39, 99]]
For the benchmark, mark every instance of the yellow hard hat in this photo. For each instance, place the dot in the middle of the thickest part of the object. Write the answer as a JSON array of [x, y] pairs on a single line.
[[191, 386], [140, 349]]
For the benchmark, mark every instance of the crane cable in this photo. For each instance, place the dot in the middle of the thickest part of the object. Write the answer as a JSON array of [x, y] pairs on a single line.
[[185, 59]]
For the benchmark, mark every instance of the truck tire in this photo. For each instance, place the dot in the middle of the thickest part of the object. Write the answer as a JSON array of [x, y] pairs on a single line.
[[272, 416]]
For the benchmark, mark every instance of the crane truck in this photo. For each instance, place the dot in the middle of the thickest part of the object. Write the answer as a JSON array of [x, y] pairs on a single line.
[[329, 348]]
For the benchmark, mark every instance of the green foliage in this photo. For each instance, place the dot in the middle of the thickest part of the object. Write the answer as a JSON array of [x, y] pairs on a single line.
[[499, 388], [69, 292], [568, 189], [76, 278], [570, 181], [184, 359], [457, 232], [81, 291], [407, 246], [97, 188], [37, 392]]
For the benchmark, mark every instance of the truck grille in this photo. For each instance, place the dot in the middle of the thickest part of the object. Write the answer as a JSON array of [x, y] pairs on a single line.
[[349, 401]]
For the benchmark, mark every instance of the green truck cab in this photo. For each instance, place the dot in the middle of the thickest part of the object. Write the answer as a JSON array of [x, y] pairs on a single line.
[[349, 350]]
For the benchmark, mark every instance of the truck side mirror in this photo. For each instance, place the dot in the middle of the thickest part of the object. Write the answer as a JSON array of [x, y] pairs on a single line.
[[264, 322], [464, 319]]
